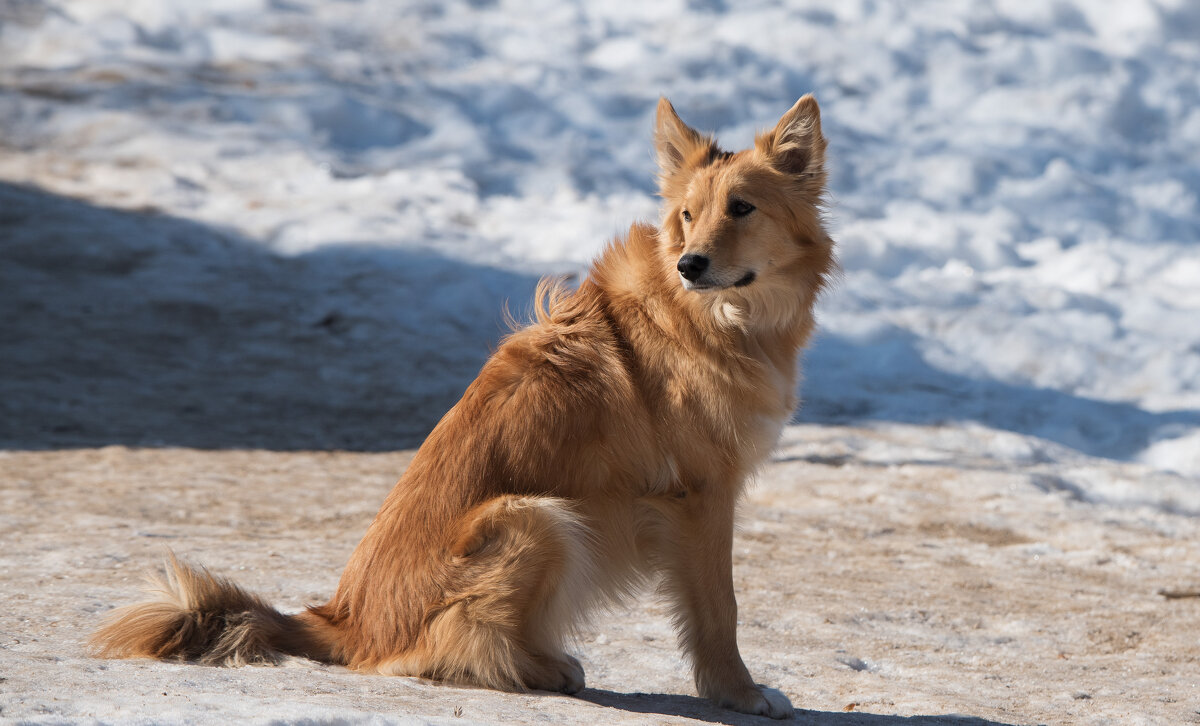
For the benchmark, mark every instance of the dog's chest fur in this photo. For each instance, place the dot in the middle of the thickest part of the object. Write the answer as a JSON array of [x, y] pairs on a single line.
[[709, 391]]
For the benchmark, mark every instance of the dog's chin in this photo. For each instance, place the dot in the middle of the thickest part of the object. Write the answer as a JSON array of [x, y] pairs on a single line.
[[705, 285]]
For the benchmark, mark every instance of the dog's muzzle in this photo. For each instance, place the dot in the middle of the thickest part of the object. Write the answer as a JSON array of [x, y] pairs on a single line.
[[692, 266]]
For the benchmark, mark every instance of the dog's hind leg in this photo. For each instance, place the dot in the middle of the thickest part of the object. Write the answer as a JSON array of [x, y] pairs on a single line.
[[519, 582]]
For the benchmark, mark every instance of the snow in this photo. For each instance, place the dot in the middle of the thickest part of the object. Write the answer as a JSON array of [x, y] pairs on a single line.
[[294, 224], [1014, 191]]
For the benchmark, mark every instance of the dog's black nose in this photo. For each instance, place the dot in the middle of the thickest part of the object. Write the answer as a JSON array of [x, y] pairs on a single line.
[[692, 266]]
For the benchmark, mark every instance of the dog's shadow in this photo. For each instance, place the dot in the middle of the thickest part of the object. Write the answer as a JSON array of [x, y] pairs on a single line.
[[699, 709]]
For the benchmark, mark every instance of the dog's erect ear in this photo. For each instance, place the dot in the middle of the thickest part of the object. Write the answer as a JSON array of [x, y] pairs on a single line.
[[674, 140], [795, 145]]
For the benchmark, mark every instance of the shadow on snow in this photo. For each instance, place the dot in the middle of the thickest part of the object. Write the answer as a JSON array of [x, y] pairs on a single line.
[[849, 382], [121, 327], [700, 709]]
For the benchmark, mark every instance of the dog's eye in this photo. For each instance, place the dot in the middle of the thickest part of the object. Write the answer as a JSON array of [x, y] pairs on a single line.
[[687, 216], [740, 208]]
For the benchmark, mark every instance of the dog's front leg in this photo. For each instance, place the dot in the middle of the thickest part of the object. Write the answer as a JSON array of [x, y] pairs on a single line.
[[697, 563]]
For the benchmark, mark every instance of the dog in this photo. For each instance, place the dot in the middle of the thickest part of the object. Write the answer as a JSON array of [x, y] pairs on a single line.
[[604, 445]]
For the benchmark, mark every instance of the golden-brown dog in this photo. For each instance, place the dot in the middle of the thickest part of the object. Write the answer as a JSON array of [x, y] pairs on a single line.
[[606, 443]]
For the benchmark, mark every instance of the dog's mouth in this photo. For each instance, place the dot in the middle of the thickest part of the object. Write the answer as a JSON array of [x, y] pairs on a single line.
[[704, 285]]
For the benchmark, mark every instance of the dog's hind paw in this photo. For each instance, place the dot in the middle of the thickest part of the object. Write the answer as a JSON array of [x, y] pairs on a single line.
[[563, 674]]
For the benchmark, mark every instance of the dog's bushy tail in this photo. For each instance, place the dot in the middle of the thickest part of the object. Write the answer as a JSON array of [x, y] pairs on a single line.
[[197, 616]]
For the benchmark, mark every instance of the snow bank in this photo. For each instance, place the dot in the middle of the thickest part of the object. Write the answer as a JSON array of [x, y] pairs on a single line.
[[1014, 185]]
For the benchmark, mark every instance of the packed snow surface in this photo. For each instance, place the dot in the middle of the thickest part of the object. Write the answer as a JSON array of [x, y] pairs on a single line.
[[295, 223]]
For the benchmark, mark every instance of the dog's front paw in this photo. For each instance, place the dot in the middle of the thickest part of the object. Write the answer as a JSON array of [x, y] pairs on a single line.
[[778, 705], [757, 700]]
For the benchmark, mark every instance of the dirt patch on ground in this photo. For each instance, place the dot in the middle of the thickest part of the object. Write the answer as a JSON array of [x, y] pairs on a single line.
[[915, 592]]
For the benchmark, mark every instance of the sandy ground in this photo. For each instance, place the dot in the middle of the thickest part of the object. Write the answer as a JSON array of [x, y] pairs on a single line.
[[873, 590]]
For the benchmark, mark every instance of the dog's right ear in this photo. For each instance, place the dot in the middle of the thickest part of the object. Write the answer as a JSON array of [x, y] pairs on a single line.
[[796, 146], [674, 141]]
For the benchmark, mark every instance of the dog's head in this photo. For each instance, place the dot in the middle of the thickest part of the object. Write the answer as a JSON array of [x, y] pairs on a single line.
[[747, 225]]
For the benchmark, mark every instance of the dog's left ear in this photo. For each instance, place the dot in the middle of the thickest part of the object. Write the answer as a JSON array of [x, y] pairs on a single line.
[[795, 145], [674, 141]]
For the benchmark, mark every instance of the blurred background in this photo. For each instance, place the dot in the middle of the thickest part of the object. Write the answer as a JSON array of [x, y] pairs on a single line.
[[295, 224]]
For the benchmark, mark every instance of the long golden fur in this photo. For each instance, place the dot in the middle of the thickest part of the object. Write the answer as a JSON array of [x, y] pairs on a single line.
[[605, 444]]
